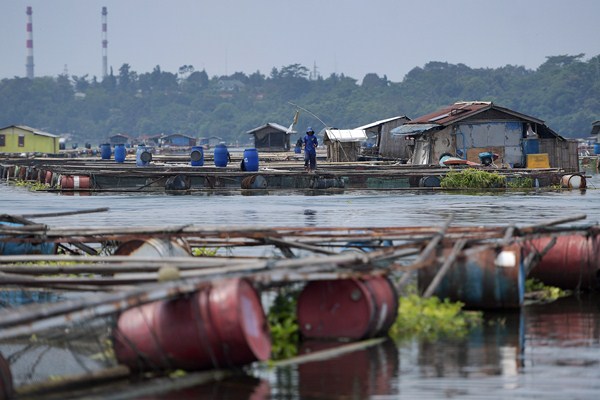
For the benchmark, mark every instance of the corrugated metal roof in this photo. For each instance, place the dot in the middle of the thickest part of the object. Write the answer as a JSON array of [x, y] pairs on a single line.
[[34, 131], [381, 122], [466, 109], [345, 135], [272, 125]]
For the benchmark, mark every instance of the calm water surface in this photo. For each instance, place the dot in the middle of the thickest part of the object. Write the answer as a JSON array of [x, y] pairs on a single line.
[[544, 351]]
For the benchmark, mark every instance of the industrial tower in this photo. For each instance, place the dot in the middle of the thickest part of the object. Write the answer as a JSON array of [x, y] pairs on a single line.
[[29, 62], [104, 44]]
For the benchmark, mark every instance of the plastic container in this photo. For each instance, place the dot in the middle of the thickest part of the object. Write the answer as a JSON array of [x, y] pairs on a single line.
[[120, 153], [197, 156], [223, 325], [250, 161], [143, 156], [105, 151], [221, 155], [596, 148]]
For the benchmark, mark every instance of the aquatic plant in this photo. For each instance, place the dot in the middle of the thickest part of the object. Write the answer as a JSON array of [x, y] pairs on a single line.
[[519, 182], [32, 185], [204, 251], [432, 318], [537, 291], [283, 323], [472, 178]]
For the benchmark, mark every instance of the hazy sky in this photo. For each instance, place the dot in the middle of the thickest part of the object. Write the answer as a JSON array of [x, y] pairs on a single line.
[[353, 37]]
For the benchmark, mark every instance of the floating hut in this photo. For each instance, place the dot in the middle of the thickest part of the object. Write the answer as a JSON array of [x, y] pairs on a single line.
[[271, 137]]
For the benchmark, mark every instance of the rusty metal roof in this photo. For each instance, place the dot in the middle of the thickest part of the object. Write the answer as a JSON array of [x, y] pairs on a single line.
[[466, 109]]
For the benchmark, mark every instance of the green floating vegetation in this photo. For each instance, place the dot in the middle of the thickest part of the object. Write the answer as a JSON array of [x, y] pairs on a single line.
[[204, 251], [432, 318], [283, 323], [539, 292], [472, 178], [32, 185]]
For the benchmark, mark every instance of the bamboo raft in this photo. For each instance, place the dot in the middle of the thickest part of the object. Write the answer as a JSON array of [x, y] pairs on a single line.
[[104, 285]]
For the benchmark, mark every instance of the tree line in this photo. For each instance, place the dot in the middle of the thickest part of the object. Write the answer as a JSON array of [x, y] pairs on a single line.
[[564, 92]]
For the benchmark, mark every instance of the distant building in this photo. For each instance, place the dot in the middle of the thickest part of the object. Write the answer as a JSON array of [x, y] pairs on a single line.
[[23, 139], [271, 137], [119, 138], [178, 139], [465, 129], [230, 85], [210, 141]]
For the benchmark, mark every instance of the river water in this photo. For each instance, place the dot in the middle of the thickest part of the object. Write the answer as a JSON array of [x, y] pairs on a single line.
[[543, 351]]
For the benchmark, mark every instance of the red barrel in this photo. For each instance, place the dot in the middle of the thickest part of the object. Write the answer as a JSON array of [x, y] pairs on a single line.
[[75, 182], [572, 263], [48, 178], [346, 308], [220, 326]]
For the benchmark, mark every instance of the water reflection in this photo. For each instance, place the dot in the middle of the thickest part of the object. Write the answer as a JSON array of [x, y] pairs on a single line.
[[240, 388], [357, 375]]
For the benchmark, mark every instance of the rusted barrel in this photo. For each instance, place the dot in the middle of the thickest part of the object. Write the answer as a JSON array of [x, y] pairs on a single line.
[[482, 278], [572, 263], [48, 178], [154, 247], [75, 182], [347, 308], [573, 181], [220, 326]]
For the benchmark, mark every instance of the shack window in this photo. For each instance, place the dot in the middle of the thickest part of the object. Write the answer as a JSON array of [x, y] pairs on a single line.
[[2, 140], [21, 141]]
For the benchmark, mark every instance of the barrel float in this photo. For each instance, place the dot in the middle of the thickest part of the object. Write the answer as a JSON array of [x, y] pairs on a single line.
[[75, 182], [573, 181], [197, 156], [346, 308], [221, 155], [6, 380], [8, 248], [429, 181], [254, 182], [143, 156], [48, 178], [250, 160], [120, 153], [221, 326], [596, 148], [482, 277], [154, 247], [105, 151], [572, 263]]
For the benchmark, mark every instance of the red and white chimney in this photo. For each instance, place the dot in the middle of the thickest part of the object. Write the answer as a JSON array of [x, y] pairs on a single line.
[[29, 63], [104, 44]]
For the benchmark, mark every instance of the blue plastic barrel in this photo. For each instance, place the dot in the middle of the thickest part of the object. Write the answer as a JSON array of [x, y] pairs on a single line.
[[105, 151], [250, 160], [197, 156], [120, 153], [596, 148], [143, 156], [221, 155], [532, 146], [18, 248]]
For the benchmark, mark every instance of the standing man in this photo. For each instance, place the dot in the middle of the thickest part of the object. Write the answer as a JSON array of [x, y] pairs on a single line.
[[310, 150]]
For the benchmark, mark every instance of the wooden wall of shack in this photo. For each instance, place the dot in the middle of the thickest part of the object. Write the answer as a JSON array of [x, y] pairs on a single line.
[[562, 153], [343, 151]]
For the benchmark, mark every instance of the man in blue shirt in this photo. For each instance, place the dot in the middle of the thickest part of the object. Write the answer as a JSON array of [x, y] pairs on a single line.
[[310, 150]]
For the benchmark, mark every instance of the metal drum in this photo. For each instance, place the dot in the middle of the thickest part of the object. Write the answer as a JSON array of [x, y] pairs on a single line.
[[221, 326]]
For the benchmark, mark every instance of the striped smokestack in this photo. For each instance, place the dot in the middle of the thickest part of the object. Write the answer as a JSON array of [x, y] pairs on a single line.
[[104, 44], [29, 63]]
